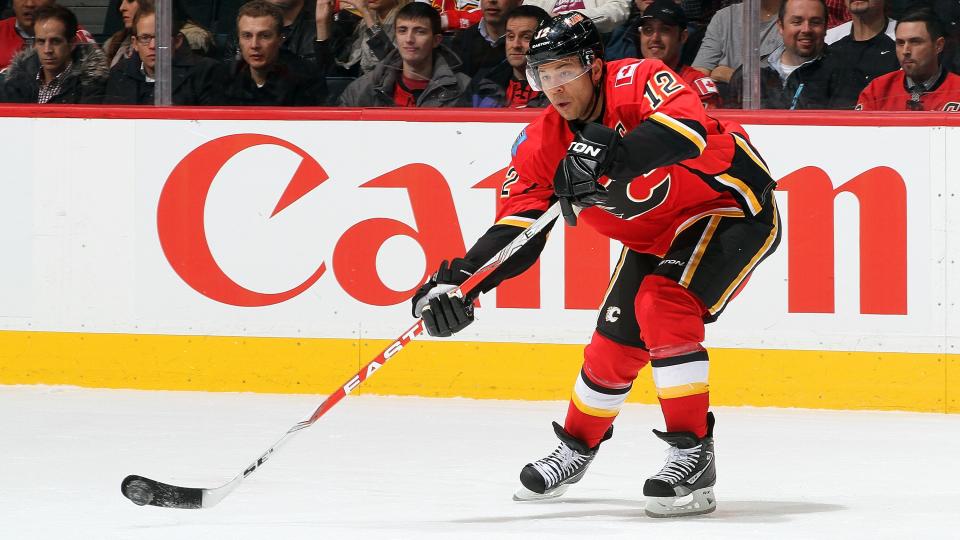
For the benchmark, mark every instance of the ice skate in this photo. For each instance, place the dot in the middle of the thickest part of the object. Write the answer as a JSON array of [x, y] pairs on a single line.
[[551, 476], [684, 487]]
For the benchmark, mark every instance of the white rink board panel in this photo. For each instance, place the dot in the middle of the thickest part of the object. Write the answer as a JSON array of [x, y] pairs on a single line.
[[85, 246]]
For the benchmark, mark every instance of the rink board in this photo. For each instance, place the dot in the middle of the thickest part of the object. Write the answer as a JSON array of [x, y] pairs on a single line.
[[274, 252]]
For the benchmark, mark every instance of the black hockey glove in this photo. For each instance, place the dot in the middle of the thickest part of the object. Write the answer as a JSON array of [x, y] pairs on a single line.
[[589, 157], [444, 315]]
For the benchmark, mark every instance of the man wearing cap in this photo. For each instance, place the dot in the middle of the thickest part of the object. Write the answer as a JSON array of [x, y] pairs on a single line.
[[661, 35]]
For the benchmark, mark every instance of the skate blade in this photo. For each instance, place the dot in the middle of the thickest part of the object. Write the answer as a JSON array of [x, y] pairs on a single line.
[[701, 501], [524, 494]]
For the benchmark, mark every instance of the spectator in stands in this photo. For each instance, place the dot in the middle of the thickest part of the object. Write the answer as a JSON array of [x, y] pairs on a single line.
[[16, 33], [56, 69], [481, 45], [420, 72], [299, 29], [351, 45], [120, 45], [921, 84], [505, 85], [864, 53], [196, 79], [622, 42], [266, 74], [662, 33], [722, 49], [867, 19], [606, 14], [794, 76]]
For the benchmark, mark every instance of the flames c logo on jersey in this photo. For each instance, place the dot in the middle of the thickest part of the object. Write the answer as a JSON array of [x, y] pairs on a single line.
[[624, 202]]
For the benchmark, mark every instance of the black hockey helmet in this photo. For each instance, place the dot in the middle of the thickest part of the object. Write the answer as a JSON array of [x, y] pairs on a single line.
[[565, 35], [568, 34]]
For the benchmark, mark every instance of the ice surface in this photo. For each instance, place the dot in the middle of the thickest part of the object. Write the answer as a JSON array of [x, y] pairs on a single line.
[[380, 467]]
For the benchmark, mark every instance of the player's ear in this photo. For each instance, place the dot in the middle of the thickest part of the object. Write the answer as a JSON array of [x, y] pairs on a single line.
[[938, 44], [596, 70]]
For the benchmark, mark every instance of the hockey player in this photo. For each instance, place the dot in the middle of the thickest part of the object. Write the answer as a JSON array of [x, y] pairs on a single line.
[[627, 149]]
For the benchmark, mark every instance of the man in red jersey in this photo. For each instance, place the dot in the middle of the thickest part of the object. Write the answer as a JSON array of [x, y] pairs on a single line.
[[661, 35], [627, 149], [921, 84]]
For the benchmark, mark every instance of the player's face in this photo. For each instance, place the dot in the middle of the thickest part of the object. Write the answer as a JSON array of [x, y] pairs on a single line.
[[916, 51], [128, 9], [260, 41], [416, 40], [52, 45], [23, 10], [519, 33], [804, 26], [661, 41], [146, 41], [569, 87]]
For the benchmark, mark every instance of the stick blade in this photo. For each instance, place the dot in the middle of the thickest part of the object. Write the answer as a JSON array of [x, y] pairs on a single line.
[[143, 491]]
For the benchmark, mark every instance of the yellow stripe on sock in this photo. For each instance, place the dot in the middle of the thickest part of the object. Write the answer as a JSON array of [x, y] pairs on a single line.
[[683, 390], [592, 411]]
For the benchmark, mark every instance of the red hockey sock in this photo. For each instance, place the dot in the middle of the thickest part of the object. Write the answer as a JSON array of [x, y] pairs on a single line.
[[589, 429], [688, 413]]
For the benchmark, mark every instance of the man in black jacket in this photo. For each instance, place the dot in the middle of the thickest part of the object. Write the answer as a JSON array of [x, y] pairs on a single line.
[[56, 69], [298, 28], [481, 45], [132, 81], [794, 76], [866, 53], [265, 74]]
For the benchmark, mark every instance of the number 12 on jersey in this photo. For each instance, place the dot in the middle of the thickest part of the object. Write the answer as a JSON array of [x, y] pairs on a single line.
[[662, 85]]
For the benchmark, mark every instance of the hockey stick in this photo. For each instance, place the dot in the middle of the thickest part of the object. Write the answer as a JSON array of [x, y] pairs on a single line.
[[144, 491]]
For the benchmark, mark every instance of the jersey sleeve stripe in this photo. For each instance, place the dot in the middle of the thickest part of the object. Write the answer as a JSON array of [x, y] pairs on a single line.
[[745, 192], [747, 149], [687, 132]]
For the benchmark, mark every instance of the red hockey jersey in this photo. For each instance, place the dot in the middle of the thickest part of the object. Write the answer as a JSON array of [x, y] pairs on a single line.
[[889, 93], [647, 212]]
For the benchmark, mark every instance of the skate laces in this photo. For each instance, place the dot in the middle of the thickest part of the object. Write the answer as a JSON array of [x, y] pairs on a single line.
[[680, 463], [560, 465]]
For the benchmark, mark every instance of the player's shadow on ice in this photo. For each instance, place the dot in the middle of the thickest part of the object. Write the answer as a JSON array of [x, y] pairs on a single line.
[[727, 511]]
